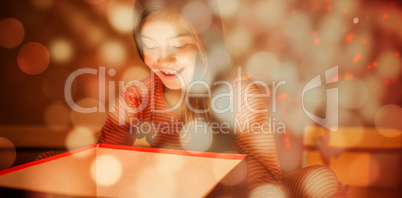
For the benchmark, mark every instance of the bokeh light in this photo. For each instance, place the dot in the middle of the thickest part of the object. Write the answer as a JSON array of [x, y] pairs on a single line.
[[196, 136], [94, 120], [355, 172], [225, 8], [298, 30], [389, 117], [33, 58], [80, 137], [53, 85], [389, 65], [57, 116], [112, 54], [269, 13], [266, 62], [7, 153], [239, 40], [106, 170], [352, 93], [222, 105], [135, 73], [12, 32], [121, 16], [61, 50], [330, 30], [199, 14]]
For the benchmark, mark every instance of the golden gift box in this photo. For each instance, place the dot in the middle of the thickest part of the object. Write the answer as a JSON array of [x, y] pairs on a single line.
[[121, 171], [360, 157]]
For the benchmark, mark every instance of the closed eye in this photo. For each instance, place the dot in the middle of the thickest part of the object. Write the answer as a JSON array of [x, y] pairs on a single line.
[[180, 46]]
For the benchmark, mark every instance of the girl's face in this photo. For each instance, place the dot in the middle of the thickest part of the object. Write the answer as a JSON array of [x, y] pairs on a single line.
[[169, 50]]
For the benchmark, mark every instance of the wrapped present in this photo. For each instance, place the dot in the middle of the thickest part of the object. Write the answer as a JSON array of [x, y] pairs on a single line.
[[361, 157], [121, 171]]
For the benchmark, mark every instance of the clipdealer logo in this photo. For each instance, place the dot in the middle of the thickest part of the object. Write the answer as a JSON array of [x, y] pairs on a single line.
[[330, 121]]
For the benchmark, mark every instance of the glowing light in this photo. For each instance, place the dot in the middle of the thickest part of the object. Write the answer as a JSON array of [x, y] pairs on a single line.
[[61, 50], [226, 8], [106, 170], [57, 116], [397, 54], [239, 40], [199, 14], [352, 93], [375, 64], [33, 58], [143, 181], [355, 20], [350, 37], [348, 76], [112, 54], [42, 4], [388, 120], [386, 82], [331, 29], [369, 66], [294, 11], [350, 122], [329, 8], [135, 73], [12, 32], [7, 153], [53, 84], [376, 92], [268, 13], [345, 6], [356, 58], [317, 41], [170, 163], [364, 41], [263, 61], [93, 120], [282, 96], [121, 17], [221, 104], [196, 136], [389, 65], [356, 173], [79, 137], [385, 16]]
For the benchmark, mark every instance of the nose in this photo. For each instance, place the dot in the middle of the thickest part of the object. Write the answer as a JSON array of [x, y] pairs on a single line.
[[166, 58]]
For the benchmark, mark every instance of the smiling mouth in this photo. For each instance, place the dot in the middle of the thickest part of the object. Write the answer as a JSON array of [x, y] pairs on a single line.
[[170, 72]]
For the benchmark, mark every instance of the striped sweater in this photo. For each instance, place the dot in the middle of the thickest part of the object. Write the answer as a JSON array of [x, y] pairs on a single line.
[[144, 104]]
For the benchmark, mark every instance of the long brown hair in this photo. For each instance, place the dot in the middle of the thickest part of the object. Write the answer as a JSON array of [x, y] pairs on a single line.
[[211, 39]]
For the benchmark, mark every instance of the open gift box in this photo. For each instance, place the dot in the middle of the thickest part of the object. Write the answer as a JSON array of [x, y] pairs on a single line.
[[360, 157], [122, 171]]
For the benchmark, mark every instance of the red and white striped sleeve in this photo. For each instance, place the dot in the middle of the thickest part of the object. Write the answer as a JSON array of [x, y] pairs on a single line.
[[264, 173], [117, 128]]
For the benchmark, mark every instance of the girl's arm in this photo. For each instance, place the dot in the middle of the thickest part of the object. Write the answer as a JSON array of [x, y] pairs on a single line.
[[264, 173], [116, 129]]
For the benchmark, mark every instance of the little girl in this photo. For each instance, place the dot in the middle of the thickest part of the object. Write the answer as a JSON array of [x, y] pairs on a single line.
[[186, 57]]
